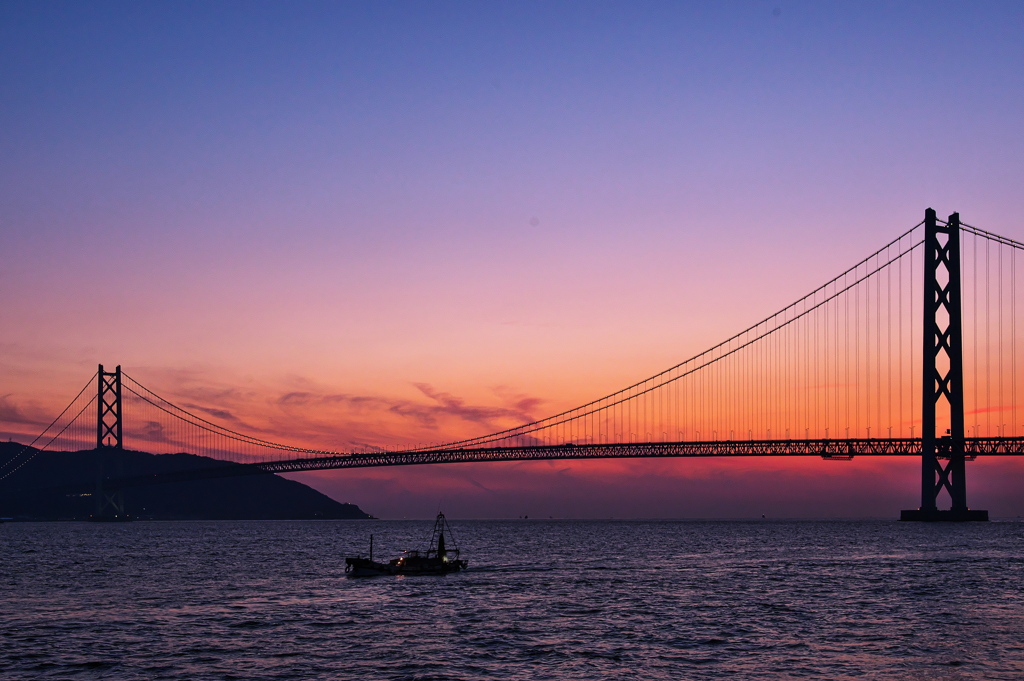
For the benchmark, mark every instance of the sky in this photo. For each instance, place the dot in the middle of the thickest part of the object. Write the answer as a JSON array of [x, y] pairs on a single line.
[[500, 206]]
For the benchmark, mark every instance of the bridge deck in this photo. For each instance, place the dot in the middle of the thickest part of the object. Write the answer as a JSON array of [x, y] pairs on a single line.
[[844, 449], [839, 450]]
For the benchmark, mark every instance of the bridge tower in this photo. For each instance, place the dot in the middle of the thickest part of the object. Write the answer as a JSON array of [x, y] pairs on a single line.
[[943, 376], [109, 449]]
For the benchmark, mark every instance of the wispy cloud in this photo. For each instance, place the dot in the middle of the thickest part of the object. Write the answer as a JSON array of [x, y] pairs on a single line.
[[12, 413], [221, 414], [150, 431], [307, 415], [427, 415], [486, 416], [991, 410]]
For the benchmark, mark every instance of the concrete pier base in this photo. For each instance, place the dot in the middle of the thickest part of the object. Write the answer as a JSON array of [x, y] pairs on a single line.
[[943, 516]]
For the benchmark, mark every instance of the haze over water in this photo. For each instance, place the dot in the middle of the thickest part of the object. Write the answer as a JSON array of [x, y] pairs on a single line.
[[543, 599]]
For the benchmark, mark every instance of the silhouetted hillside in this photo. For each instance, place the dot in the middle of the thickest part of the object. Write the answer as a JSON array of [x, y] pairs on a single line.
[[58, 486]]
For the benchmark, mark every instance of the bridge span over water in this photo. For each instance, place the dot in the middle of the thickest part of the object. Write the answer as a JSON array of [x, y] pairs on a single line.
[[910, 352]]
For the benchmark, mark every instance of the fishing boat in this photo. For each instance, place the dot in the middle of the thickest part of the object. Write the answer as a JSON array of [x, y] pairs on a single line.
[[438, 559]]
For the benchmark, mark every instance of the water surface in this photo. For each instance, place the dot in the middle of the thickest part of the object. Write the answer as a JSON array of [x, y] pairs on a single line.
[[542, 600]]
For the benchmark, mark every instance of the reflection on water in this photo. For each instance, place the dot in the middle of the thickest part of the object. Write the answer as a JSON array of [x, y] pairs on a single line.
[[541, 600]]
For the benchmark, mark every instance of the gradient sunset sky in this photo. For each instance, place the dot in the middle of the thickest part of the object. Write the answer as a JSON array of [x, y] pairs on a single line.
[[480, 208]]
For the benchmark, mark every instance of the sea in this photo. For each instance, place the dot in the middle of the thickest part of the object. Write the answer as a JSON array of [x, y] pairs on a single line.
[[542, 599]]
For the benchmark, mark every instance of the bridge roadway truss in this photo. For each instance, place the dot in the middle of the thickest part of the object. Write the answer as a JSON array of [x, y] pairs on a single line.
[[836, 450]]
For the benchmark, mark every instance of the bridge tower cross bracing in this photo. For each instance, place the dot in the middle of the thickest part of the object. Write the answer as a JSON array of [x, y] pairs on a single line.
[[109, 443], [943, 376]]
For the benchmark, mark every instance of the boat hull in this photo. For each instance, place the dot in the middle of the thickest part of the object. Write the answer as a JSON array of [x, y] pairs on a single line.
[[364, 567]]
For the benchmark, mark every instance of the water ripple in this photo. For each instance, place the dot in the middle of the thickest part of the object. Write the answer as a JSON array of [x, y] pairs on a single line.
[[541, 600]]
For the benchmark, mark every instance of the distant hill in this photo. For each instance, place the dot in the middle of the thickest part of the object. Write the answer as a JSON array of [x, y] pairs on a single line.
[[58, 486]]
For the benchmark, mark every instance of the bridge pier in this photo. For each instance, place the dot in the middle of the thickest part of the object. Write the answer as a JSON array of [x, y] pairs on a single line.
[[943, 376], [936, 515], [109, 431]]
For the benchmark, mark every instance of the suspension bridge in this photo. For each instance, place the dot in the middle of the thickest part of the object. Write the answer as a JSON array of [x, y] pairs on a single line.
[[910, 352]]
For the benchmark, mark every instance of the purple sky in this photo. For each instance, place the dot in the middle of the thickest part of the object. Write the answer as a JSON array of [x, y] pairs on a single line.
[[498, 201]]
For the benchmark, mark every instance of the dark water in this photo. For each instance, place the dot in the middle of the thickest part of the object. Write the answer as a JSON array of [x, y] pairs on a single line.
[[542, 600]]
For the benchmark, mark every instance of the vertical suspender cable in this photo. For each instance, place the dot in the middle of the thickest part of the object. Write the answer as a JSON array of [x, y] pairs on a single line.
[[976, 316], [1002, 403], [988, 342]]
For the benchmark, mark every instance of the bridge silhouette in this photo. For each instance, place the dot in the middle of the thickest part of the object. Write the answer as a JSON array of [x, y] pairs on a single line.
[[875, 362]]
